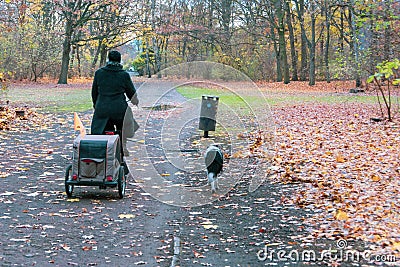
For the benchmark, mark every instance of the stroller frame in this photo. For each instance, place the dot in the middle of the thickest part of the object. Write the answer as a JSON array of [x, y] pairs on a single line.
[[97, 160]]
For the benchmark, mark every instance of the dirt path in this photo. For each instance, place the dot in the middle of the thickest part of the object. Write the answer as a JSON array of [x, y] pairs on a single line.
[[42, 227]]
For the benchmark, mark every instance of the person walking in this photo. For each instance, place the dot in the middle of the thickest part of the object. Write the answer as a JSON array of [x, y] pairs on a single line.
[[111, 86]]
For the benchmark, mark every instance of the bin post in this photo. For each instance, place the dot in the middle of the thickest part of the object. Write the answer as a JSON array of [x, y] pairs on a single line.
[[208, 114]]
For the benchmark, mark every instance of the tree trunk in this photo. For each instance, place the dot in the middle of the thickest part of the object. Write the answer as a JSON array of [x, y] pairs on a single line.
[[156, 49], [283, 56], [103, 55], [387, 43], [211, 38], [388, 33], [96, 57], [277, 56], [374, 46], [304, 45], [148, 69], [312, 52], [78, 59], [327, 41], [71, 71], [157, 57], [293, 55], [341, 38], [280, 12], [184, 49], [354, 48], [165, 52], [63, 78], [34, 72], [165, 59], [304, 58], [226, 15]]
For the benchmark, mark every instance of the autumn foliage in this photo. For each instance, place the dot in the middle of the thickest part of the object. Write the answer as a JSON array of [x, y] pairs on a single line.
[[348, 167]]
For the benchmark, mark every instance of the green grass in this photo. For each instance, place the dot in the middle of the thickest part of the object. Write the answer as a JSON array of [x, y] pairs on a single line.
[[253, 99], [52, 99], [226, 97]]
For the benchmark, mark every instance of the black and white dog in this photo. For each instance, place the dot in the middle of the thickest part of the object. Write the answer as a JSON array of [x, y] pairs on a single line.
[[214, 162]]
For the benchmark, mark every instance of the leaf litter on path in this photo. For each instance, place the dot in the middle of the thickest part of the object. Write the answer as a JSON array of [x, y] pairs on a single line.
[[348, 167]]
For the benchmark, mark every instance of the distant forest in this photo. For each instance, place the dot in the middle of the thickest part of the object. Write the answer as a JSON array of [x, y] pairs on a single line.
[[307, 40]]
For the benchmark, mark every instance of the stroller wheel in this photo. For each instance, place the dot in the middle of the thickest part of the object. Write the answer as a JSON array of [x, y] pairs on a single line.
[[121, 182], [68, 188]]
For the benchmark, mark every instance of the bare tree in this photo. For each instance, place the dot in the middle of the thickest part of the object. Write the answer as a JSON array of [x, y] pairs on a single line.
[[313, 11], [293, 53], [280, 14], [76, 14]]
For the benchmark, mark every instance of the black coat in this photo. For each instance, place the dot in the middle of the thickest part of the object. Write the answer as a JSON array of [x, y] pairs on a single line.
[[111, 85]]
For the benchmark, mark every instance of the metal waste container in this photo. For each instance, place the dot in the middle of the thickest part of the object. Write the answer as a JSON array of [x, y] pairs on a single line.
[[208, 113]]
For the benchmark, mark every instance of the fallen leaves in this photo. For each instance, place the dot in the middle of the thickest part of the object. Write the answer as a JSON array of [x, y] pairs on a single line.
[[66, 247], [396, 246], [126, 216], [73, 199], [209, 225], [340, 158], [349, 167], [375, 178], [19, 118], [89, 248], [4, 174], [341, 215], [197, 254]]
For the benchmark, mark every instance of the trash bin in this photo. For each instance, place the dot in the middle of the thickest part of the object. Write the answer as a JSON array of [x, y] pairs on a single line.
[[208, 114]]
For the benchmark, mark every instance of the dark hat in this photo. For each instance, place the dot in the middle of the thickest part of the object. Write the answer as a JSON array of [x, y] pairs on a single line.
[[114, 56]]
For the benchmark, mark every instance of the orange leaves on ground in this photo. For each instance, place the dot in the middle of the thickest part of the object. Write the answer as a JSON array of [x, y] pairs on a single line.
[[19, 118], [4, 174], [257, 143], [396, 246], [349, 166], [334, 86], [341, 215], [256, 147], [375, 178], [340, 158], [197, 254]]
